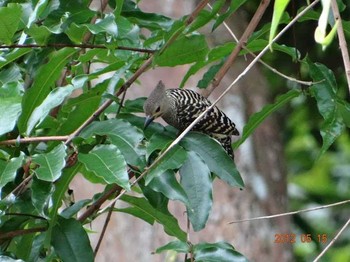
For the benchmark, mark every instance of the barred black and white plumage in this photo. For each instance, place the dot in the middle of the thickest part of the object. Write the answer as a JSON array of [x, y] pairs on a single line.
[[180, 107]]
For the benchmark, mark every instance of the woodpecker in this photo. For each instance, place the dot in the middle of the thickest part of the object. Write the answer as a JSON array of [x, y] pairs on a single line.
[[180, 107]]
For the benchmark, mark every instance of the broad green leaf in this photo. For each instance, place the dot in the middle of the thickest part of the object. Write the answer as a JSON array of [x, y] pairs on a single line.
[[139, 213], [8, 169], [43, 82], [71, 241], [13, 56], [75, 208], [11, 109], [197, 183], [158, 141], [122, 134], [55, 98], [106, 25], [214, 156], [324, 92], [176, 245], [76, 110], [278, 9], [256, 119], [41, 195], [151, 21], [61, 187], [50, 164], [324, 89], [171, 161], [170, 224], [220, 251], [167, 184], [209, 75], [185, 50], [107, 162], [330, 131], [10, 17]]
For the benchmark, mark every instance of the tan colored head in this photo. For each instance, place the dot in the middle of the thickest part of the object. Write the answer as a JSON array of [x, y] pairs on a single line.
[[155, 105]]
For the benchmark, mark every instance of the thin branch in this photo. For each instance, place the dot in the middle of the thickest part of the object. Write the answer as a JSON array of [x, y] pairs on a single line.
[[342, 41], [21, 232], [332, 241], [108, 218], [242, 41], [98, 203], [33, 139], [91, 46], [274, 70], [291, 213], [239, 77]]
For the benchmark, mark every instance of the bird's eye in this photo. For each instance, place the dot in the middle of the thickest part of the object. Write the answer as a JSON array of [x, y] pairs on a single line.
[[158, 109]]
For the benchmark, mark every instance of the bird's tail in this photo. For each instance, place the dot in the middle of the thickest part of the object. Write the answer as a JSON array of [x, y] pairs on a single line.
[[226, 144]]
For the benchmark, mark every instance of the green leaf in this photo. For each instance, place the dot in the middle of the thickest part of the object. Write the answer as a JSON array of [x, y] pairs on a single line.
[[55, 98], [71, 241], [167, 184], [233, 7], [8, 169], [122, 134], [171, 161], [107, 162], [197, 183], [50, 164], [10, 108], [13, 56], [61, 187], [76, 110], [75, 208], [256, 119], [158, 141], [170, 224], [44, 80], [176, 245], [205, 16], [10, 17], [324, 89], [220, 251], [107, 25], [324, 92], [214, 156], [41, 195], [184, 50], [278, 9], [330, 131]]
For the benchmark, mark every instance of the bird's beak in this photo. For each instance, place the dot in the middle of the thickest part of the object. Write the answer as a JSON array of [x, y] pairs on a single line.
[[149, 119]]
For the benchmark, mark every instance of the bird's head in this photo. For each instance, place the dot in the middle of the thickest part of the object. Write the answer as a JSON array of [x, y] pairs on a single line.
[[155, 105]]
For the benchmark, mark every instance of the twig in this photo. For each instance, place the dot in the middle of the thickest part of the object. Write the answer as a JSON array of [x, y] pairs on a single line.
[[91, 46], [177, 140], [21, 232], [342, 41], [242, 41], [108, 218], [33, 139], [98, 203], [291, 213], [332, 241]]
